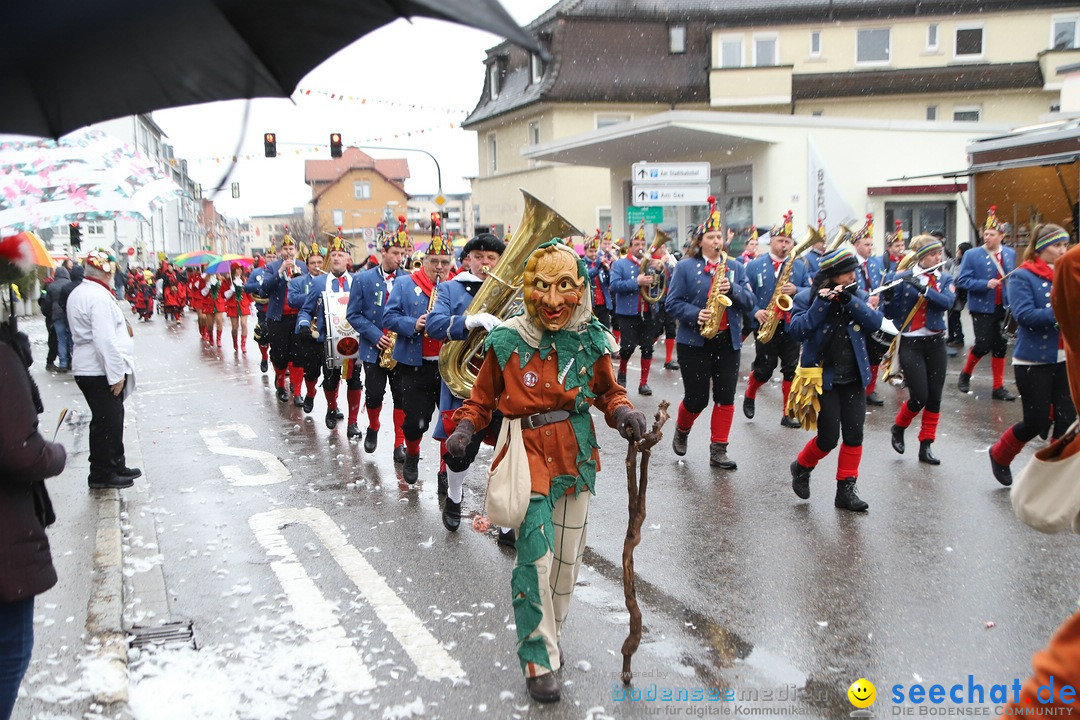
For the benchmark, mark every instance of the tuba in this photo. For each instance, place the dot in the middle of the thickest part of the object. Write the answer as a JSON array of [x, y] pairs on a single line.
[[654, 292], [460, 359], [843, 235], [781, 302]]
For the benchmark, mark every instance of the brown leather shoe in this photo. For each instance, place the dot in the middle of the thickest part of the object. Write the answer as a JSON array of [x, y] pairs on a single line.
[[544, 688]]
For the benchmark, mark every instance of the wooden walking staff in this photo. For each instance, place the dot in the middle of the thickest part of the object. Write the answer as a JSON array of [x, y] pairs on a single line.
[[636, 493]]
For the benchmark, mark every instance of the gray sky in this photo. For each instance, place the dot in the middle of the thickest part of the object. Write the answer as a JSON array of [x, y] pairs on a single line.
[[426, 63]]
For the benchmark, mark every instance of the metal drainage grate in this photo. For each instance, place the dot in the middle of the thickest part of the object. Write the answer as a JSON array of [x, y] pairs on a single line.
[[171, 634]]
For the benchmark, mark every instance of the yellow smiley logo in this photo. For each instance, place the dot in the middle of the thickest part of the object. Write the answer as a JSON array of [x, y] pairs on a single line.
[[862, 693]]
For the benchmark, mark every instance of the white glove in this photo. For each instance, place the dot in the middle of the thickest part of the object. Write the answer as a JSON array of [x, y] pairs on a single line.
[[484, 320], [229, 293], [206, 291], [888, 326]]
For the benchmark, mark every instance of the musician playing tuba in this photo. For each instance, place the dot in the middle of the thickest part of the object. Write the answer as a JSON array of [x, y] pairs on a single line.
[[773, 304], [708, 289], [637, 319]]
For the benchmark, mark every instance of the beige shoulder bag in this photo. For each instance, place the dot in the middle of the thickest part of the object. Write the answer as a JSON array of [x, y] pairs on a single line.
[[509, 479]]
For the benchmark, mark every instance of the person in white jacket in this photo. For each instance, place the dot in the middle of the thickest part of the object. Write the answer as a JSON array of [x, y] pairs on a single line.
[[103, 365]]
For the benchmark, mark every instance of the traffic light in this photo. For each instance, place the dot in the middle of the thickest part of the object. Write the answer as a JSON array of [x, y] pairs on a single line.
[[270, 145], [75, 235], [335, 145]]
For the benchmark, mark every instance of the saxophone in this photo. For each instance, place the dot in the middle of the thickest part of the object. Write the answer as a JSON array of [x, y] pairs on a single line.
[[718, 302], [781, 302], [386, 356]]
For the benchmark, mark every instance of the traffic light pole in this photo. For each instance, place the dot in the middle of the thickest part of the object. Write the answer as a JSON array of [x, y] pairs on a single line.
[[438, 170]]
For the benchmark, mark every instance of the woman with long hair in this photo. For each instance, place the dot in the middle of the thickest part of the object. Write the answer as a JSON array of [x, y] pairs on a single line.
[[918, 307], [1039, 354]]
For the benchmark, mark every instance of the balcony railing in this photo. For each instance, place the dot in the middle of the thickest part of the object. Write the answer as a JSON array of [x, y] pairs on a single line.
[[746, 86]]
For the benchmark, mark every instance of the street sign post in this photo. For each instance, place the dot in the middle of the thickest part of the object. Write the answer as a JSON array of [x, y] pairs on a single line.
[[687, 173], [670, 194], [651, 215]]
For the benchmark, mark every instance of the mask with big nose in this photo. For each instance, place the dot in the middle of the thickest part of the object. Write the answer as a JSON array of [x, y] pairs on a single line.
[[552, 288]]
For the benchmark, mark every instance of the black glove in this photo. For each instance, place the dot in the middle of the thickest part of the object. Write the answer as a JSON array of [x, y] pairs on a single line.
[[630, 422], [460, 438], [914, 282]]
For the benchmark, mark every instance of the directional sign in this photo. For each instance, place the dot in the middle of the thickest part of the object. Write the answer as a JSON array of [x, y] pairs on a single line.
[[651, 215], [671, 195], [645, 173]]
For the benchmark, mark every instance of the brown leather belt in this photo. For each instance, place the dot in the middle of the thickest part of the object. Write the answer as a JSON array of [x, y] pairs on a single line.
[[531, 422]]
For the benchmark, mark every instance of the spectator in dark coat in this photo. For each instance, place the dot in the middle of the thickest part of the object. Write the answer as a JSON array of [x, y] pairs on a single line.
[[61, 279]]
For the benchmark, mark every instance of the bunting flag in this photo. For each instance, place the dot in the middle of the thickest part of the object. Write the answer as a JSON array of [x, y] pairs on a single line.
[[364, 100]]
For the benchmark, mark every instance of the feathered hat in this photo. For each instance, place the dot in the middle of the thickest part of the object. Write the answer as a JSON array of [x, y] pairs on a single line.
[[287, 241], [271, 250], [785, 228], [400, 238], [336, 243], [867, 230], [712, 220], [639, 232], [899, 234], [593, 243], [991, 220], [103, 260], [440, 246], [16, 257], [607, 233]]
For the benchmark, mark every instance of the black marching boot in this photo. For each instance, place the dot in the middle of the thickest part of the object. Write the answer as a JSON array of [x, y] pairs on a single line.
[[678, 443], [800, 479], [718, 456], [451, 515], [898, 439], [925, 454], [846, 497], [1002, 473]]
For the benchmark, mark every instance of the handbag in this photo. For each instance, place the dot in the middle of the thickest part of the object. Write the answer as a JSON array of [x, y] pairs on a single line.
[[509, 482], [1046, 493]]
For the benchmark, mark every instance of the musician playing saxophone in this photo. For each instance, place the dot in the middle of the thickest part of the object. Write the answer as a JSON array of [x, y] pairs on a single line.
[[712, 362], [448, 321], [763, 272], [417, 354], [918, 308], [367, 300]]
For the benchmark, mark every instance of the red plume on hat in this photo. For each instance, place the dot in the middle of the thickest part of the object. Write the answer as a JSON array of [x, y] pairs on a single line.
[[867, 230], [899, 234], [785, 229], [336, 243], [712, 220], [400, 238], [991, 219], [436, 224]]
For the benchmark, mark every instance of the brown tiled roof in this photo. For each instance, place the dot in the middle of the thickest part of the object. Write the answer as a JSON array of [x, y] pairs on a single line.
[[952, 78], [320, 171]]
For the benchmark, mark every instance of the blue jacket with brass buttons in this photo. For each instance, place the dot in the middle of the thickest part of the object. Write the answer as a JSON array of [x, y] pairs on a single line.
[[689, 291], [367, 301], [810, 324], [1037, 329], [902, 298]]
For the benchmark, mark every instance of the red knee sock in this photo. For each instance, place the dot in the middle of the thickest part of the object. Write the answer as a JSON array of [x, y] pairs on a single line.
[[331, 398], [353, 398], [618, 336], [243, 344], [972, 361], [219, 338], [787, 389], [873, 379], [998, 366], [646, 363], [847, 465], [442, 452], [264, 350], [279, 378], [721, 422], [904, 416], [235, 343], [373, 418], [296, 379], [412, 447], [811, 454], [1006, 448], [928, 430], [399, 434], [685, 419], [669, 344], [309, 387], [622, 366], [752, 386]]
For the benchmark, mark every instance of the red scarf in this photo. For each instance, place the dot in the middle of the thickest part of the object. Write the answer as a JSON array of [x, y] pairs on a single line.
[[101, 283], [1039, 268], [429, 346]]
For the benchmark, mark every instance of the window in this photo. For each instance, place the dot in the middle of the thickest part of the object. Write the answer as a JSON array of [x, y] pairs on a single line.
[[966, 114], [931, 112], [815, 43], [536, 68], [604, 120], [361, 190], [969, 42], [337, 218], [493, 80], [493, 153], [765, 50], [1063, 33], [603, 218], [872, 46], [931, 38], [731, 51], [534, 132], [94, 229], [677, 39]]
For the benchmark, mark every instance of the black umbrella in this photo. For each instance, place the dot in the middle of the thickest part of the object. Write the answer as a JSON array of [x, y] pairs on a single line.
[[68, 63]]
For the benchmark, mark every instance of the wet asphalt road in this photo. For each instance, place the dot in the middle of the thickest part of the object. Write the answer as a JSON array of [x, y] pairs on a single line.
[[742, 585]]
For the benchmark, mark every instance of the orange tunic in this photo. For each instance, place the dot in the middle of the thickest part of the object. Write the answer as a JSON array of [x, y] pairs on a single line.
[[520, 391]]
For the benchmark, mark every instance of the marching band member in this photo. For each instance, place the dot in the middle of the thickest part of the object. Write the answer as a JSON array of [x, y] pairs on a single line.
[[280, 318], [417, 354], [599, 267], [895, 245], [1039, 354], [920, 304], [367, 299], [982, 274], [308, 352], [448, 321], [665, 321], [312, 320], [750, 250], [253, 287], [763, 272], [637, 320], [708, 361], [552, 408], [833, 323], [238, 308], [869, 276]]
